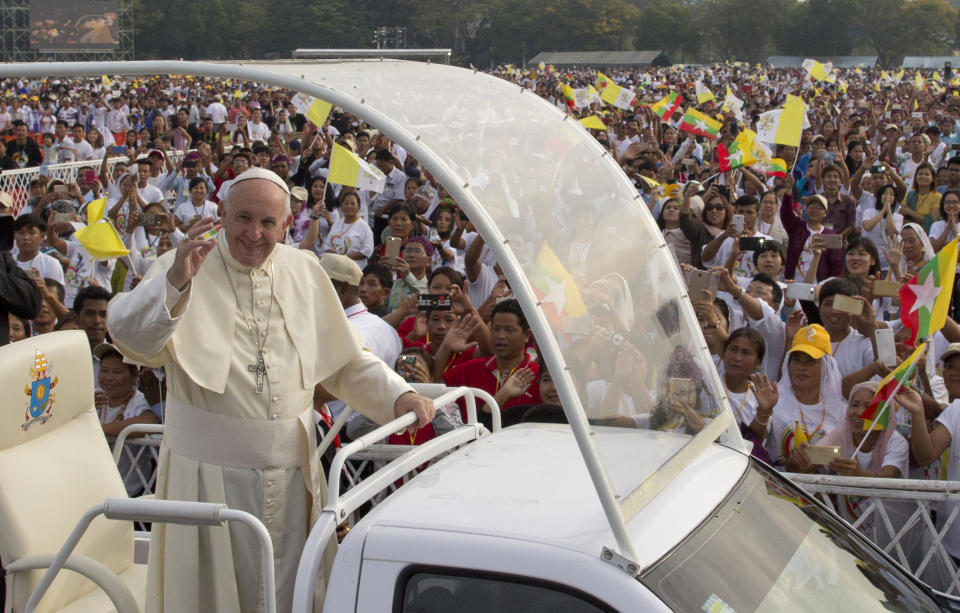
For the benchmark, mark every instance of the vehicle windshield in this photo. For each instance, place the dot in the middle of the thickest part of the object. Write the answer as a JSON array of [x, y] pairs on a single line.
[[770, 548]]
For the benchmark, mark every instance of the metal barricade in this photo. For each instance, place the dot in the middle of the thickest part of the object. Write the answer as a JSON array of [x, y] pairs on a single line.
[[907, 518], [17, 182]]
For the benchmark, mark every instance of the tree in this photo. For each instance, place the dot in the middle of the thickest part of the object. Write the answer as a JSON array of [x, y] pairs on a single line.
[[898, 27], [738, 34], [670, 26]]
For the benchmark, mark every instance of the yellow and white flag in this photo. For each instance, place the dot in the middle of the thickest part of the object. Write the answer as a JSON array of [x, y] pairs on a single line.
[[346, 168], [314, 109], [703, 93], [618, 96], [818, 71], [733, 104], [784, 125]]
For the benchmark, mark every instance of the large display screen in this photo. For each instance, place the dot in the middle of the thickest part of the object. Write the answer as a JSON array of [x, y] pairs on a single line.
[[73, 25]]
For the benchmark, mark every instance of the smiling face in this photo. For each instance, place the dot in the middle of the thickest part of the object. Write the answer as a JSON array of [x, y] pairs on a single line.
[[859, 261], [548, 390], [116, 378], [714, 212], [816, 213], [836, 322], [256, 217]]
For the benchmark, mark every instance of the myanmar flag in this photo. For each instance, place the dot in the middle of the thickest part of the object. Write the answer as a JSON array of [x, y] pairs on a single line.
[[697, 123], [924, 300], [666, 107], [602, 80], [738, 155], [568, 95], [556, 290], [877, 413], [776, 168]]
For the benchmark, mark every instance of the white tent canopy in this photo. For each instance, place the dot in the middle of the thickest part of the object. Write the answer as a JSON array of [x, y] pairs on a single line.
[[612, 320]]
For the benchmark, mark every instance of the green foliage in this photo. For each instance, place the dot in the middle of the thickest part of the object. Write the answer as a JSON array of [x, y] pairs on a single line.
[[502, 31]]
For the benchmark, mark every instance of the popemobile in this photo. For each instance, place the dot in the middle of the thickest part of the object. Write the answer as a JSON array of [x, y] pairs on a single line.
[[646, 501]]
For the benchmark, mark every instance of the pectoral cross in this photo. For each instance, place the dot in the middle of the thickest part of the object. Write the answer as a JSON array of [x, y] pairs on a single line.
[[259, 369]]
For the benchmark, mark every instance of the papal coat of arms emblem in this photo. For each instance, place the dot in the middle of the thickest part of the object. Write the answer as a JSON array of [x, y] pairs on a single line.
[[40, 394]]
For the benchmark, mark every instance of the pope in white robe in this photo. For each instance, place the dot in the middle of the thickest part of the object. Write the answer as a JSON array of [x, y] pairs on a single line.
[[245, 328]]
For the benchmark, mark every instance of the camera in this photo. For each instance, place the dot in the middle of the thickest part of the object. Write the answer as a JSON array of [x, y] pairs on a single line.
[[433, 302]]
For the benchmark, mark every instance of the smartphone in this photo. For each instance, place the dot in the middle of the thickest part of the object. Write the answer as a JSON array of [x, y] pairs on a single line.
[[59, 218], [148, 220], [863, 105], [433, 302], [886, 348], [916, 115], [392, 249], [433, 235], [802, 291], [886, 289], [119, 149], [231, 127], [847, 304], [737, 222], [751, 243], [955, 147], [832, 241], [698, 280], [830, 155], [822, 454], [60, 189], [878, 169]]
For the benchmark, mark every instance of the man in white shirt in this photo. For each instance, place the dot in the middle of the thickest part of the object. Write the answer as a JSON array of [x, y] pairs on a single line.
[[81, 147], [256, 129], [716, 252], [28, 232], [217, 112], [392, 193], [117, 121], [381, 338]]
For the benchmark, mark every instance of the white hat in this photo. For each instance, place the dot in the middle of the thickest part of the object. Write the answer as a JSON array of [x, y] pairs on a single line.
[[260, 173]]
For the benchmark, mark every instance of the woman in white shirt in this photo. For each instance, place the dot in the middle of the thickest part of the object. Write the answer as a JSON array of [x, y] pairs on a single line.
[[350, 235], [120, 404], [811, 401], [885, 453], [944, 229], [750, 394], [197, 207], [883, 221]]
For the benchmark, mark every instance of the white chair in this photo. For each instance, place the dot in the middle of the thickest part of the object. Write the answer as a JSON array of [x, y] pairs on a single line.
[[54, 465], [57, 476]]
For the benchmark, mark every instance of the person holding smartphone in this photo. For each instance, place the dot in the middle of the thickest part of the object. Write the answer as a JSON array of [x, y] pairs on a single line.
[[800, 253]]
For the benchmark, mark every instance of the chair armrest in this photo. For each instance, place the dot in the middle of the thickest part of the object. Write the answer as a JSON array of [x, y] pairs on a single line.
[[93, 570]]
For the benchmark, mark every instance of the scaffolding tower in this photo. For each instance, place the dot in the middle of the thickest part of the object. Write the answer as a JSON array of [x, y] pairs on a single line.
[[15, 37]]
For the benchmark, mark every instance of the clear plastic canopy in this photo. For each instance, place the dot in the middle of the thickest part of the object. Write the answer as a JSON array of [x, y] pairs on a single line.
[[579, 247], [564, 220]]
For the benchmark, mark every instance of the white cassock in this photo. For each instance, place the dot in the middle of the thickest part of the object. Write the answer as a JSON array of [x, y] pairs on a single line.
[[224, 442]]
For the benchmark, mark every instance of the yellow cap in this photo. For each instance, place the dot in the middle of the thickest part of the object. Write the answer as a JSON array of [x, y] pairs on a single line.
[[812, 340]]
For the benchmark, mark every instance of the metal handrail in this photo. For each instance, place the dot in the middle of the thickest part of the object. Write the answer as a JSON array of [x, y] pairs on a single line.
[[338, 507], [164, 511]]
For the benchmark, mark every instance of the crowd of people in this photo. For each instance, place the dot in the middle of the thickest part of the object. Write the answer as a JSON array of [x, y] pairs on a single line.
[[870, 194]]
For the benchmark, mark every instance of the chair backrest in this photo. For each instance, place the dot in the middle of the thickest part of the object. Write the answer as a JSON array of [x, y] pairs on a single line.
[[54, 463]]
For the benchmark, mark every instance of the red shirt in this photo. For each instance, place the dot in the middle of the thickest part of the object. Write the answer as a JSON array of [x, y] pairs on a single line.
[[482, 374]]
